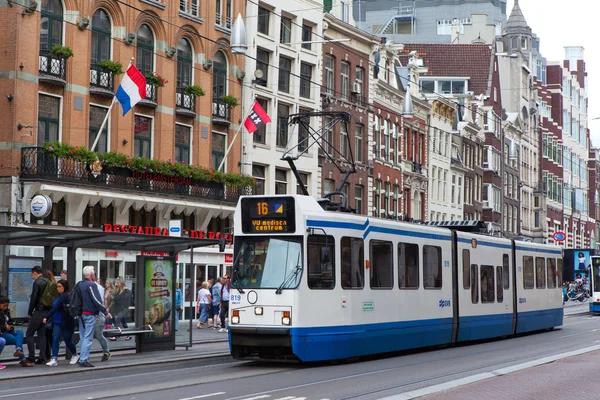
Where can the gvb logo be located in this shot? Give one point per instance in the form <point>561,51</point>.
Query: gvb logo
<point>444,303</point>
<point>522,300</point>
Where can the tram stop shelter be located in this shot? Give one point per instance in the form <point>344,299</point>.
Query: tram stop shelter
<point>73,238</point>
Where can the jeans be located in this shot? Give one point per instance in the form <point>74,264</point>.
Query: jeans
<point>36,325</point>
<point>98,329</point>
<point>2,344</point>
<point>122,318</point>
<point>14,337</point>
<point>177,316</point>
<point>204,312</point>
<point>59,331</point>
<point>87,323</point>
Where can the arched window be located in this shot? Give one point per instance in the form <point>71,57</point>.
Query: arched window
<point>51,31</point>
<point>145,50</point>
<point>184,63</point>
<point>100,37</point>
<point>219,76</point>
<point>416,206</point>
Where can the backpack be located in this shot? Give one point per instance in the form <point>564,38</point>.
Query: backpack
<point>49,294</point>
<point>74,306</point>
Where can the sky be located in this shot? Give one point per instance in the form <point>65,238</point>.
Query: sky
<point>560,23</point>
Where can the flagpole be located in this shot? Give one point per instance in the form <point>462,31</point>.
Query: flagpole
<point>235,137</point>
<point>114,100</point>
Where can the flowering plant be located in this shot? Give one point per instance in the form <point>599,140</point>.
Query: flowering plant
<point>156,79</point>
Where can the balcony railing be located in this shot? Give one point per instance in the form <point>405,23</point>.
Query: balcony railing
<point>37,164</point>
<point>150,93</point>
<point>54,67</point>
<point>220,110</point>
<point>101,78</point>
<point>185,101</point>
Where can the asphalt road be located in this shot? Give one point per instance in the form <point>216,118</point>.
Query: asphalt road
<point>226,379</point>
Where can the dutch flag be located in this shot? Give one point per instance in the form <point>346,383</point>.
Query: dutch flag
<point>132,88</point>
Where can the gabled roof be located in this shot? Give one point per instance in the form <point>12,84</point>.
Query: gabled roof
<point>472,60</point>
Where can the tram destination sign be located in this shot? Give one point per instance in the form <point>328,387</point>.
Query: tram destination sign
<point>268,215</point>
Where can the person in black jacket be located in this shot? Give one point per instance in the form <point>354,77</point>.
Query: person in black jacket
<point>36,315</point>
<point>10,334</point>
<point>63,324</point>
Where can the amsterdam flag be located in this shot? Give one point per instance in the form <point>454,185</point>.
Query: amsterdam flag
<point>256,117</point>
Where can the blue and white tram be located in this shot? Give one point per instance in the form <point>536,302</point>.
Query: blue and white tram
<point>595,284</point>
<point>315,285</point>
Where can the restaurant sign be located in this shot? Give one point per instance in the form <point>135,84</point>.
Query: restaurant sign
<point>155,231</point>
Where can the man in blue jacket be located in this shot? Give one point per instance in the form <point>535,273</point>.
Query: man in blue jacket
<point>92,305</point>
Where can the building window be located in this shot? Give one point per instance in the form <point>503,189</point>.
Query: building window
<point>306,36</point>
<point>182,143</point>
<point>262,64</point>
<point>100,37</point>
<point>263,20</point>
<point>258,173</point>
<point>285,36</point>
<point>285,71</point>
<point>142,136</point>
<point>329,77</point>
<point>358,85</point>
<point>145,50</point>
<point>303,132</point>
<point>283,112</point>
<point>344,139</point>
<point>48,119</point>
<point>345,11</point>
<point>358,143</point>
<point>223,16</point>
<point>219,76</point>
<point>219,142</point>
<point>328,136</point>
<point>260,135</point>
<point>184,63</point>
<point>51,25</point>
<point>305,79</point>
<point>97,115</point>
<point>280,181</point>
<point>358,199</point>
<point>345,80</point>
<point>304,179</point>
<point>192,9</point>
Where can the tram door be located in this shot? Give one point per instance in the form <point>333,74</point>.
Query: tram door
<point>595,279</point>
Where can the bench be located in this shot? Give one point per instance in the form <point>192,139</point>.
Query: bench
<point>118,332</point>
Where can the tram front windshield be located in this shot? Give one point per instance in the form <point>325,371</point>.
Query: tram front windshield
<point>268,263</point>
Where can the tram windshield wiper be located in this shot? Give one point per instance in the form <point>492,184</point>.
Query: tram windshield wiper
<point>236,276</point>
<point>291,277</point>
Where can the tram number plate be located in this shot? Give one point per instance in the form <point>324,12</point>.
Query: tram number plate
<point>368,306</point>
<point>235,299</point>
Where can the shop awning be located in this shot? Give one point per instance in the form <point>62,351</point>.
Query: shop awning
<point>78,237</point>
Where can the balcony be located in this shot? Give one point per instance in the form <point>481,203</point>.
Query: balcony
<point>221,112</point>
<point>185,103</point>
<point>150,99</point>
<point>53,70</point>
<point>36,164</point>
<point>101,81</point>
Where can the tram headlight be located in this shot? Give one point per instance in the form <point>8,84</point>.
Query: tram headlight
<point>258,310</point>
<point>235,317</point>
<point>286,319</point>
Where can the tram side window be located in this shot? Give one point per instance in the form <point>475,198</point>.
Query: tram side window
<point>527,272</point>
<point>487,284</point>
<point>382,265</point>
<point>499,288</point>
<point>559,267</point>
<point>474,283</point>
<point>353,263</point>
<point>432,267</point>
<point>540,272</point>
<point>505,271</point>
<point>321,262</point>
<point>408,266</point>
<point>466,269</point>
<point>551,267</point>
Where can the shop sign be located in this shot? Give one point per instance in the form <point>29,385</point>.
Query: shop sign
<point>155,231</point>
<point>228,258</point>
<point>41,206</point>
<point>111,253</point>
<point>155,253</point>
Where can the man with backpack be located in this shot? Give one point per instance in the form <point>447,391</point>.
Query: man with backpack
<point>43,294</point>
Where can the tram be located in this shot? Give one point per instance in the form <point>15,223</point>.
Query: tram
<point>314,285</point>
<point>595,285</point>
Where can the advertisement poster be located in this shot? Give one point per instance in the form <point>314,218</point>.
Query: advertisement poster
<point>581,267</point>
<point>20,283</point>
<point>158,296</point>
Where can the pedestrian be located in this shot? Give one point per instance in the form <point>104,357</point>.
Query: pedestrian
<point>63,274</point>
<point>225,290</point>
<point>63,324</point>
<point>91,306</point>
<point>50,278</point>
<point>99,327</point>
<point>109,297</point>
<point>178,305</point>
<point>216,301</point>
<point>36,313</point>
<point>205,303</point>
<point>10,335</point>
<point>122,301</point>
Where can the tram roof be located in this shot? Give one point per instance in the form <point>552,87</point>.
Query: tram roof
<point>78,237</point>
